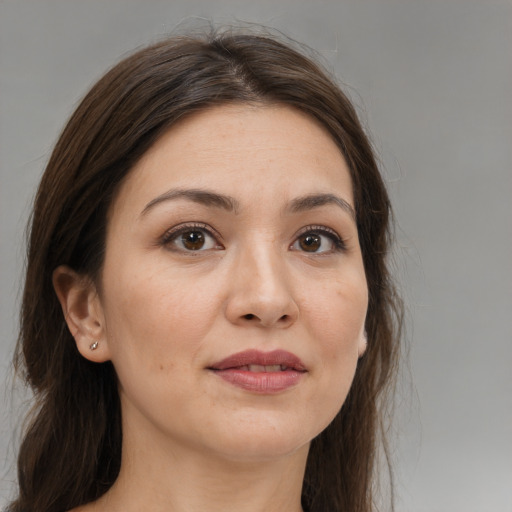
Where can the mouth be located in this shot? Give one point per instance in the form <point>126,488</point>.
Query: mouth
<point>257,361</point>
<point>262,368</point>
<point>261,372</point>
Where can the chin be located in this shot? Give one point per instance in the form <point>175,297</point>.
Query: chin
<point>263,449</point>
<point>263,440</point>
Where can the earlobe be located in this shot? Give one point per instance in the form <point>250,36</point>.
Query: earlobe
<point>83,313</point>
<point>363,343</point>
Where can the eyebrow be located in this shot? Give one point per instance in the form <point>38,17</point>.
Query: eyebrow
<point>230,204</point>
<point>311,201</point>
<point>204,197</point>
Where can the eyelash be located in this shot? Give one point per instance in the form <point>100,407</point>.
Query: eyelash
<point>339,244</point>
<point>174,233</point>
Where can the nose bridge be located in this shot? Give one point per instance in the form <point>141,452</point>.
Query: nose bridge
<point>266,267</point>
<point>261,290</point>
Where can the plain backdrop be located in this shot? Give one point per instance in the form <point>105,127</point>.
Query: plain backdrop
<point>432,81</point>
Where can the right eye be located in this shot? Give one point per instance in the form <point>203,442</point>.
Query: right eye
<point>190,238</point>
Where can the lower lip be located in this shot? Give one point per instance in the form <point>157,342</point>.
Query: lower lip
<point>261,382</point>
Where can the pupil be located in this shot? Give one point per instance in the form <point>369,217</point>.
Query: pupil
<point>193,240</point>
<point>310,243</point>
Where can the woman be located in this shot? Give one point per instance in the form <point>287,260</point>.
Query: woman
<point>208,321</point>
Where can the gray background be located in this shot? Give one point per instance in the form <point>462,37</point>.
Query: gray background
<point>433,81</point>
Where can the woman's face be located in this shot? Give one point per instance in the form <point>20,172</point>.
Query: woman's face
<point>233,291</point>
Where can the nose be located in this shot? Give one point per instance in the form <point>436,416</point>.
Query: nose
<point>260,292</point>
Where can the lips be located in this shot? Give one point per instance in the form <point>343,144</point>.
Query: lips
<point>261,372</point>
<point>257,359</point>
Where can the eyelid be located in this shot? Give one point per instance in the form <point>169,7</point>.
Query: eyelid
<point>173,233</point>
<point>338,241</point>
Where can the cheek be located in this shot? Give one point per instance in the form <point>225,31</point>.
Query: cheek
<point>337,314</point>
<point>153,333</point>
<point>156,316</point>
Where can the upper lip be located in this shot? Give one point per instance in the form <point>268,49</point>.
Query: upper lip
<point>248,357</point>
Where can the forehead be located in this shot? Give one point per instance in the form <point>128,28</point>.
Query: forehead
<point>275,152</point>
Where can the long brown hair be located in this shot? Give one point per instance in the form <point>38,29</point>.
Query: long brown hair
<point>71,451</point>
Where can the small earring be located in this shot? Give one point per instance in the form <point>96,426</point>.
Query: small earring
<point>94,346</point>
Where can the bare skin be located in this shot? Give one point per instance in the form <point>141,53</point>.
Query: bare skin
<point>191,279</point>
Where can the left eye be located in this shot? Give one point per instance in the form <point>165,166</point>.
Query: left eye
<point>318,241</point>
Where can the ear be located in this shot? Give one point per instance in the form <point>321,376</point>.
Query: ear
<point>83,313</point>
<point>363,343</point>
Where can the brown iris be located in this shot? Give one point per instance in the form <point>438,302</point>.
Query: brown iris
<point>193,240</point>
<point>310,242</point>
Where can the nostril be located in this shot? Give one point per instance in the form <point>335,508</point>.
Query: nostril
<point>282,320</point>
